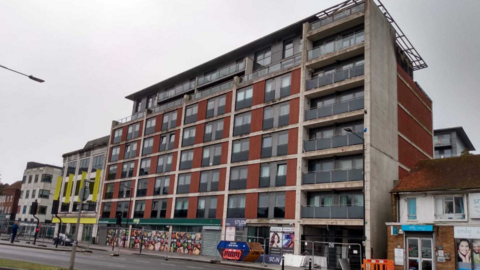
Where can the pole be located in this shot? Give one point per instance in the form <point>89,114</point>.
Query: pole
<point>36,227</point>
<point>128,213</point>
<point>59,228</point>
<point>75,240</point>
<point>141,241</point>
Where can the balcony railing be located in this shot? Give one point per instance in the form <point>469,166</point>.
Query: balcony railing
<point>332,142</point>
<point>284,64</point>
<point>223,72</point>
<point>168,106</point>
<point>334,46</point>
<point>333,109</point>
<point>335,77</point>
<point>333,212</point>
<point>177,90</point>
<point>442,142</point>
<point>333,176</point>
<point>212,90</point>
<point>130,118</point>
<point>338,16</point>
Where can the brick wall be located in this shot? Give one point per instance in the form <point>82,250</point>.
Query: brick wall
<point>251,205</point>
<point>408,155</point>
<point>258,93</point>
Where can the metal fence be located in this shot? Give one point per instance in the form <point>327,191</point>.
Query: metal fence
<point>26,231</point>
<point>331,255</point>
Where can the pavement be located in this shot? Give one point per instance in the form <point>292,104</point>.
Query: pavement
<point>99,257</point>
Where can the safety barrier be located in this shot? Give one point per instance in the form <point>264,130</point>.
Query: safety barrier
<point>374,264</point>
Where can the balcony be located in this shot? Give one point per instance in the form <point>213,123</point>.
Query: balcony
<point>335,108</point>
<point>337,45</point>
<point>333,176</point>
<point>333,212</point>
<point>212,90</point>
<point>284,64</point>
<point>130,118</point>
<point>175,91</point>
<point>337,76</point>
<point>168,106</point>
<point>222,73</point>
<point>333,142</point>
<point>343,14</point>
<point>442,142</point>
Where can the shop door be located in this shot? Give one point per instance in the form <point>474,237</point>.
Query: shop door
<point>420,255</point>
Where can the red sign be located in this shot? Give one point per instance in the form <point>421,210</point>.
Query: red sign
<point>232,254</point>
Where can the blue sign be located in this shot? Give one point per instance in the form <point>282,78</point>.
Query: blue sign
<point>417,228</point>
<point>270,259</point>
<point>236,222</point>
<point>236,251</point>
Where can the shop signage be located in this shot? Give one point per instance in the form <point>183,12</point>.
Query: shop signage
<point>235,251</point>
<point>236,222</point>
<point>417,228</point>
<point>232,254</point>
<point>270,259</point>
<point>466,232</point>
<point>282,240</point>
<point>474,203</point>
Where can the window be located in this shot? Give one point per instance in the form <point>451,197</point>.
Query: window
<point>21,195</point>
<point>24,211</point>
<point>130,150</point>
<point>83,165</point>
<point>109,191</point>
<point>188,136</point>
<point>47,178</point>
<point>262,211</point>
<point>117,137</point>
<point>139,209</point>
<point>262,59</point>
<point>215,106</point>
<point>186,160</point>
<point>276,116</point>
<point>145,167</point>
<point>242,124</point>
<point>273,174</point>
<point>142,187</point>
<point>27,194</point>
<point>169,120</point>
<point>207,207</point>
<point>279,210</point>
<point>183,183</point>
<point>24,179</point>
<point>147,146</point>
<point>238,178</point>
<point>162,185</point>
<point>138,106</point>
<point>240,150</point>
<point>191,114</point>
<point>159,209</point>
<point>97,163</point>
<point>150,126</point>
<point>285,86</point>
<point>150,101</point>
<point>106,210</point>
<point>133,131</point>
<point>449,207</point>
<point>36,178</point>
<point>72,166</point>
<point>127,170</point>
<point>412,208</point>
<point>125,189</point>
<point>213,131</point>
<point>33,193</point>
<point>112,172</point>
<point>275,144</point>
<point>443,139</point>
<point>211,155</point>
<point>287,48</point>
<point>164,163</point>
<point>443,153</point>
<point>181,208</point>
<point>115,153</point>
<point>30,178</point>
<point>244,98</point>
<point>209,180</point>
<point>167,142</point>
<point>236,206</point>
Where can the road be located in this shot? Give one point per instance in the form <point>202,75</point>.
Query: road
<point>102,260</point>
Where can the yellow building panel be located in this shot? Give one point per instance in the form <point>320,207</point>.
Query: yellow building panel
<point>96,187</point>
<point>58,188</point>
<point>69,188</point>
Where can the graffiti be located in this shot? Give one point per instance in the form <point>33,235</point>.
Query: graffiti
<point>113,239</point>
<point>186,243</point>
<point>152,240</point>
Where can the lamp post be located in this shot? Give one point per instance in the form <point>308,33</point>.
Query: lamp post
<point>31,77</point>
<point>349,130</point>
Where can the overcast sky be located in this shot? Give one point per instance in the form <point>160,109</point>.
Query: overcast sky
<point>94,53</point>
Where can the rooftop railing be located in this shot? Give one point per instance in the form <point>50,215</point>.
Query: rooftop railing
<point>335,77</point>
<point>168,106</point>
<point>223,72</point>
<point>336,45</point>
<point>284,64</point>
<point>212,90</point>
<point>335,108</point>
<point>340,15</point>
<point>175,91</point>
<point>442,141</point>
<point>130,118</point>
<point>333,212</point>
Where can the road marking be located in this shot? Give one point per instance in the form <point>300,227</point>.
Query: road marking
<point>143,261</point>
<point>195,267</point>
<point>169,264</point>
<point>121,259</point>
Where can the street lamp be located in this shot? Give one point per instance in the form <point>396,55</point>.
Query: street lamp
<point>31,77</point>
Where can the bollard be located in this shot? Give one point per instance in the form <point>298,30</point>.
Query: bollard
<point>310,264</point>
<point>283,262</point>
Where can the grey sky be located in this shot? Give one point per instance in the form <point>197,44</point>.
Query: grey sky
<point>94,53</point>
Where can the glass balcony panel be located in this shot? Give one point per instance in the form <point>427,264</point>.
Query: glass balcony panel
<point>323,177</point>
<point>312,84</point>
<point>322,212</point>
<point>339,141</point>
<point>355,212</point>
<point>339,176</point>
<point>340,212</point>
<point>308,178</point>
<point>325,80</point>
<point>355,175</point>
<point>308,212</point>
<point>354,140</point>
<point>341,75</point>
<point>311,114</point>
<point>340,108</point>
<point>325,111</point>
<point>309,146</point>
<point>324,143</point>
<point>356,104</point>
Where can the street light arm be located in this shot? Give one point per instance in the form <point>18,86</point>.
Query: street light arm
<point>31,77</point>
<point>349,130</point>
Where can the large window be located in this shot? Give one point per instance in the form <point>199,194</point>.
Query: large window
<point>273,174</point>
<point>238,178</point>
<point>184,183</point>
<point>150,126</point>
<point>139,209</point>
<point>181,208</point>
<point>276,116</point>
<point>188,136</point>
<point>244,98</point>
<point>209,180</point>
<point>213,131</point>
<point>164,163</point>
<point>107,207</point>
<point>142,187</point>
<point>97,163</point>
<point>169,120</point>
<point>84,165</point>
<point>240,150</point>
<point>130,150</point>
<point>167,142</point>
<point>162,185</point>
<point>186,160</point>
<point>207,207</point>
<point>236,206</point>
<point>117,137</point>
<point>133,131</point>
<point>122,209</point>
<point>215,106</point>
<point>115,153</point>
<point>125,189</point>
<point>191,114</point>
<point>147,146</point>
<point>275,144</point>
<point>262,59</point>
<point>109,191</point>
<point>145,167</point>
<point>43,193</point>
<point>112,172</point>
<point>71,167</point>
<point>159,209</point>
<point>287,48</point>
<point>412,208</point>
<point>127,170</point>
<point>242,124</point>
<point>211,155</point>
<point>450,207</point>
<point>47,178</point>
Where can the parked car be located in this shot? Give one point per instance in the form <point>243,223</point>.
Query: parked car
<point>65,240</point>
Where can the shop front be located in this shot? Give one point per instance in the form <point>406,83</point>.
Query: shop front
<point>467,243</point>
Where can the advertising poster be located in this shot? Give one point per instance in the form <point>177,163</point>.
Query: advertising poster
<point>186,243</point>
<point>276,237</point>
<point>464,254</point>
<point>153,240</point>
<point>476,254</point>
<point>288,240</point>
